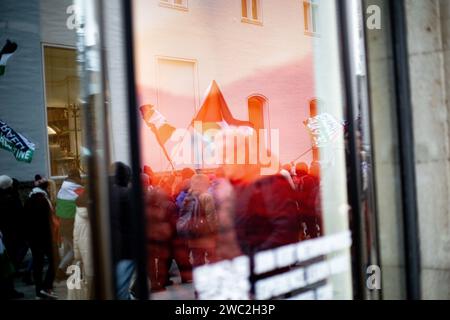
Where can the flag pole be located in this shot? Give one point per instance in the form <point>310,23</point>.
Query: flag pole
<point>304,153</point>
<point>162,146</point>
<point>178,145</point>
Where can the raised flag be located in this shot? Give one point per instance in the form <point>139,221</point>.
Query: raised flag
<point>16,143</point>
<point>7,51</point>
<point>323,129</point>
<point>65,199</point>
<point>157,123</point>
<point>215,114</point>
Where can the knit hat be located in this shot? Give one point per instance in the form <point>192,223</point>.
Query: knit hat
<point>5,182</point>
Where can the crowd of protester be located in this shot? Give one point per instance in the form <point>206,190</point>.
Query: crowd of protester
<point>42,227</point>
<point>194,217</point>
<point>202,216</point>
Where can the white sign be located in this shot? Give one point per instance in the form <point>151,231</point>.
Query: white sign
<point>284,256</point>
<point>226,280</point>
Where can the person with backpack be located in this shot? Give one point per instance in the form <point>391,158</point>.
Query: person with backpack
<point>198,221</point>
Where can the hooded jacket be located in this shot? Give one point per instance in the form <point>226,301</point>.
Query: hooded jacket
<point>123,228</point>
<point>38,211</point>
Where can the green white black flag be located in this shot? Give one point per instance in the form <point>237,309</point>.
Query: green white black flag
<point>7,51</point>
<point>16,143</point>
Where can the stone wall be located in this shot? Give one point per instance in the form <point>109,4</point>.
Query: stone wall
<point>428,45</point>
<point>386,156</point>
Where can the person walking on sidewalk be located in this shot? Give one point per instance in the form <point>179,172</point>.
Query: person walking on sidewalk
<point>66,210</point>
<point>82,246</point>
<point>39,226</point>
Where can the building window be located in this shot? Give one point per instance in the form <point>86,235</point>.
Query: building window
<point>251,11</point>
<point>176,4</point>
<point>62,96</point>
<point>258,115</point>
<point>311,16</point>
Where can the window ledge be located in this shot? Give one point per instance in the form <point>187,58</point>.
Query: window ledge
<point>312,34</point>
<point>251,21</point>
<point>173,6</point>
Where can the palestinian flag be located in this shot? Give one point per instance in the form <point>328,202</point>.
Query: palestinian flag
<point>65,199</point>
<point>157,123</point>
<point>16,143</point>
<point>323,129</point>
<point>215,114</point>
<point>7,51</point>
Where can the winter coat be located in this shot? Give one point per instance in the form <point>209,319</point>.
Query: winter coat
<point>160,229</point>
<point>308,193</point>
<point>6,267</point>
<point>227,246</point>
<point>266,214</point>
<point>39,218</point>
<point>124,235</point>
<point>207,207</point>
<point>11,220</point>
<point>161,213</point>
<point>82,240</point>
<point>123,229</point>
<point>180,198</point>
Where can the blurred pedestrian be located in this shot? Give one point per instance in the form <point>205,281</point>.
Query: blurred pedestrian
<point>39,225</point>
<point>11,220</point>
<point>82,246</point>
<point>66,210</point>
<point>159,210</point>
<point>7,290</point>
<point>123,230</point>
<point>198,220</point>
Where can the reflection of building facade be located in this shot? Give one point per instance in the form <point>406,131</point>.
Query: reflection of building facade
<point>261,54</point>
<point>185,45</point>
<point>40,91</point>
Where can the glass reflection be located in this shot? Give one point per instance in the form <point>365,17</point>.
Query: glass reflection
<point>234,147</point>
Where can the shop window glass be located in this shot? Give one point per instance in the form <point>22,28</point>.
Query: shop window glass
<point>64,126</point>
<point>228,216</point>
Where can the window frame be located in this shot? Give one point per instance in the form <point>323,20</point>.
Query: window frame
<point>265,113</point>
<point>310,20</point>
<point>171,4</point>
<point>249,11</point>
<point>47,140</point>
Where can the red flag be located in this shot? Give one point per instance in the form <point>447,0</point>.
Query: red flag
<point>215,113</point>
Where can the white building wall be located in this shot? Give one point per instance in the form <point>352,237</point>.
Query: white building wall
<point>273,59</point>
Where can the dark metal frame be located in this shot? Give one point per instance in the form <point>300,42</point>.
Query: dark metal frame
<point>137,195</point>
<point>373,220</point>
<point>96,137</point>
<point>406,144</point>
<point>352,158</point>
<point>360,255</point>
